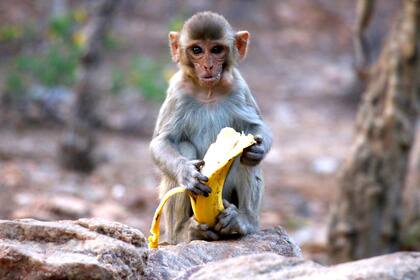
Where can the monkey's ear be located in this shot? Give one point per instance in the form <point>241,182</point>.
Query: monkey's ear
<point>174,45</point>
<point>241,42</point>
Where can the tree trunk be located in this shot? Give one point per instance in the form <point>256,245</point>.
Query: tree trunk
<point>364,11</point>
<point>367,213</point>
<point>77,149</point>
<point>411,227</point>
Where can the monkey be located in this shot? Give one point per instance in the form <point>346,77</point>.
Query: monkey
<point>207,94</point>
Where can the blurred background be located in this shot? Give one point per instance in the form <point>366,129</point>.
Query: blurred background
<point>300,67</point>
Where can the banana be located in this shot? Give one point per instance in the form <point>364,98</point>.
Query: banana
<point>155,230</point>
<point>217,162</point>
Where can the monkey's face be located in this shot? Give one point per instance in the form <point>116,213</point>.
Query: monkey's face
<point>206,47</point>
<point>208,58</point>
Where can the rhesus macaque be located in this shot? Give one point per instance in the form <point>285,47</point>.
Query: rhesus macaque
<point>207,94</point>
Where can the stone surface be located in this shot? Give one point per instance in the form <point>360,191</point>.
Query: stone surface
<point>50,207</point>
<point>169,261</point>
<point>403,265</point>
<point>82,249</point>
<point>98,249</point>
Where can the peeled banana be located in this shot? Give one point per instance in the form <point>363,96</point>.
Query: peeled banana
<point>217,162</point>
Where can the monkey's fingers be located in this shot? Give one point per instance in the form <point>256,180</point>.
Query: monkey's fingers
<point>210,235</point>
<point>198,163</point>
<point>200,189</point>
<point>225,218</point>
<point>230,230</point>
<point>203,227</point>
<point>229,211</point>
<point>203,231</point>
<point>198,226</point>
<point>258,139</point>
<point>227,225</point>
<point>194,191</point>
<point>226,203</point>
<point>204,188</point>
<point>205,235</point>
<point>222,223</point>
<point>201,177</point>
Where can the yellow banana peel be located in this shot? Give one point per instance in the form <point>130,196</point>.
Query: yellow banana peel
<point>155,230</point>
<point>217,162</point>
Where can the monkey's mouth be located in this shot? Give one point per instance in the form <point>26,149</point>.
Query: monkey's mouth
<point>210,79</point>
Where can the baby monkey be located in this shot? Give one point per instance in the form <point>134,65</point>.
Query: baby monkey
<point>207,94</point>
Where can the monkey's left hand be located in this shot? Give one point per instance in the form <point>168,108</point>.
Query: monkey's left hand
<point>230,222</point>
<point>254,154</point>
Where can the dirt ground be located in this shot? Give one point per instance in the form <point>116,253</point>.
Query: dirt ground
<point>299,67</point>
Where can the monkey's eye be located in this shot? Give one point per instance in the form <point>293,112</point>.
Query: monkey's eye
<point>196,50</point>
<point>216,49</point>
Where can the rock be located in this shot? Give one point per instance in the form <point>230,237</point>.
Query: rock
<point>50,207</point>
<point>82,249</point>
<point>97,249</point>
<point>169,261</point>
<point>110,210</point>
<point>256,266</point>
<point>403,265</point>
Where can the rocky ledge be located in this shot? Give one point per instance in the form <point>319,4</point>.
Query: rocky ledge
<point>402,265</point>
<point>97,249</point>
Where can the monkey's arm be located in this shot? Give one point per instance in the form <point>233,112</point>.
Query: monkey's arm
<point>179,168</point>
<point>164,152</point>
<point>254,154</point>
<point>167,155</point>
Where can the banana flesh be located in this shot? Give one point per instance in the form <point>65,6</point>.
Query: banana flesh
<point>217,162</point>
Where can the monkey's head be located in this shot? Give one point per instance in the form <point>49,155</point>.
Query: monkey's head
<point>207,46</point>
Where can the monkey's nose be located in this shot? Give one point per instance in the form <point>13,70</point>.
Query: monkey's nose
<point>208,68</point>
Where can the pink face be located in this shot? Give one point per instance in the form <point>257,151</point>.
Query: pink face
<point>208,59</point>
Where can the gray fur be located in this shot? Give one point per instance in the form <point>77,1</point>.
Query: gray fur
<point>207,26</point>
<point>184,130</point>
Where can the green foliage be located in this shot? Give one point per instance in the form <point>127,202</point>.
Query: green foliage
<point>14,85</point>
<point>118,80</point>
<point>61,27</point>
<point>410,237</point>
<point>294,223</point>
<point>110,41</point>
<point>55,64</point>
<point>175,24</point>
<point>147,76</point>
<point>54,67</point>
<point>9,33</point>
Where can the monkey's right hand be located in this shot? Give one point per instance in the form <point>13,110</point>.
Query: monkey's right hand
<point>191,178</point>
<point>199,231</point>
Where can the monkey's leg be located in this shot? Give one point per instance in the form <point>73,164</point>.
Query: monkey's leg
<point>242,201</point>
